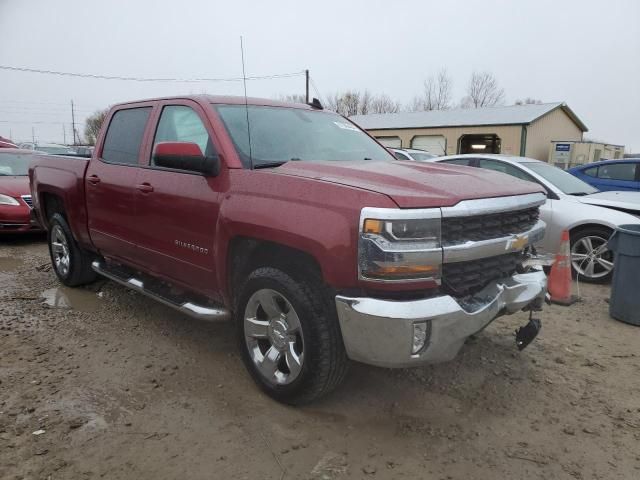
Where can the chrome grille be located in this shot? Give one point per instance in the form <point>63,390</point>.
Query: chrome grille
<point>457,230</point>
<point>27,200</point>
<point>464,278</point>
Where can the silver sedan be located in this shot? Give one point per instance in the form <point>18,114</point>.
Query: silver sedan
<point>589,215</point>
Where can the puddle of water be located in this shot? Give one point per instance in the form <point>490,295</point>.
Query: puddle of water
<point>8,264</point>
<point>77,299</point>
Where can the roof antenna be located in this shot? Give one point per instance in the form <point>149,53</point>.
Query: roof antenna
<point>316,104</point>
<point>246,106</point>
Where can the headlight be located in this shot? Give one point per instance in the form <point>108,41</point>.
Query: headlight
<point>400,245</point>
<point>7,200</point>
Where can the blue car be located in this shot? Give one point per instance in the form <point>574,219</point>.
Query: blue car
<point>610,174</point>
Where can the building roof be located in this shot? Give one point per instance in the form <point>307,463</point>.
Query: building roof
<point>464,117</point>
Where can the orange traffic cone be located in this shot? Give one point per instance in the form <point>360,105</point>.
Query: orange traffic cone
<point>559,281</point>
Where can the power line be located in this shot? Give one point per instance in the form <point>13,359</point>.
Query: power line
<point>37,122</point>
<point>144,79</point>
<point>315,88</point>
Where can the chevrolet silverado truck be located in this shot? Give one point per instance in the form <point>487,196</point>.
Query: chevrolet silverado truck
<point>300,227</point>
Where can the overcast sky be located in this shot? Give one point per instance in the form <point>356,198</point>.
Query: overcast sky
<point>586,53</point>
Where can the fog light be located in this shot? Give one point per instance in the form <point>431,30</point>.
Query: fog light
<point>421,333</point>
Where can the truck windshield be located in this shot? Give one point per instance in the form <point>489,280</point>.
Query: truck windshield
<point>14,164</point>
<point>281,134</point>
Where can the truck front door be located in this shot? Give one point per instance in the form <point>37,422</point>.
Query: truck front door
<point>177,211</point>
<point>110,183</point>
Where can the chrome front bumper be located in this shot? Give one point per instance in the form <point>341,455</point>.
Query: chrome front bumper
<point>380,332</point>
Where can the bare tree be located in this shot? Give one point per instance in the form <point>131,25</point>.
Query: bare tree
<point>292,98</point>
<point>353,102</point>
<point>528,101</point>
<point>436,94</point>
<point>364,105</point>
<point>347,103</point>
<point>93,125</point>
<point>483,91</point>
<point>383,103</point>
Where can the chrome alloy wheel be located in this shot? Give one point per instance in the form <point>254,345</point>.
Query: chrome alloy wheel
<point>273,335</point>
<point>591,258</point>
<point>60,250</point>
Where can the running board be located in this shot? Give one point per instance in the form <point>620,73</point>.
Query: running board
<point>189,308</point>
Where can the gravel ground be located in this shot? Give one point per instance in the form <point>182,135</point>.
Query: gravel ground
<point>100,382</point>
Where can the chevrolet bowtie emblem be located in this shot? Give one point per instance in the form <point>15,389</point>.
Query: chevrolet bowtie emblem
<point>518,242</point>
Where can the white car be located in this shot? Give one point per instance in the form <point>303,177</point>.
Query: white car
<point>589,215</point>
<point>412,154</point>
<point>51,148</point>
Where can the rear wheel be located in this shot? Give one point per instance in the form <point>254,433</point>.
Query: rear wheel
<point>71,263</point>
<point>591,259</point>
<point>289,337</point>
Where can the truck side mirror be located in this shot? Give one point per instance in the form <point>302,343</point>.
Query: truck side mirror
<point>185,156</point>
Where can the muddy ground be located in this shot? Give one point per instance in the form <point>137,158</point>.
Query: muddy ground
<point>101,382</point>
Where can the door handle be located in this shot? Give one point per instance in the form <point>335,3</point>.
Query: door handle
<point>145,187</point>
<point>93,179</point>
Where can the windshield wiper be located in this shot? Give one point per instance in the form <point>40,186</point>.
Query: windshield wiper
<point>579,194</point>
<point>269,164</point>
<point>275,164</point>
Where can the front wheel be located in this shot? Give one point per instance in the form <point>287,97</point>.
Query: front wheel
<point>289,337</point>
<point>591,259</point>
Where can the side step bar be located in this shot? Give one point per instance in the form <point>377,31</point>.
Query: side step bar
<point>189,308</point>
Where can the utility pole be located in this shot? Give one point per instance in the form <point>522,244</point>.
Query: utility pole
<point>306,77</point>
<point>33,136</point>
<point>64,135</point>
<point>10,135</point>
<point>73,123</point>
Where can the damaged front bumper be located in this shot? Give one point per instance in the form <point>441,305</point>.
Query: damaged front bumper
<point>383,332</point>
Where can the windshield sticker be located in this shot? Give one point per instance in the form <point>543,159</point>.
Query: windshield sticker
<point>346,126</point>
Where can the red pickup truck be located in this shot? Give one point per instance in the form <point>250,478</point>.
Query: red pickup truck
<point>298,225</point>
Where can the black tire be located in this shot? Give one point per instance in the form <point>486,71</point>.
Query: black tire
<point>602,233</point>
<point>79,271</point>
<point>325,361</point>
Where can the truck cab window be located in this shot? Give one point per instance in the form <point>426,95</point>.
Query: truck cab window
<point>179,123</point>
<point>124,136</point>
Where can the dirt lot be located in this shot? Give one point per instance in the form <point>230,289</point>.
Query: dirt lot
<point>125,388</point>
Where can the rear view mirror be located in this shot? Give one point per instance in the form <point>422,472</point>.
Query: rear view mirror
<point>185,156</point>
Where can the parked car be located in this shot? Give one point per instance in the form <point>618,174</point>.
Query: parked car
<point>589,215</point>
<point>51,148</point>
<point>412,154</point>
<point>6,143</point>
<point>610,174</point>
<point>83,150</point>
<point>15,196</point>
<point>299,225</point>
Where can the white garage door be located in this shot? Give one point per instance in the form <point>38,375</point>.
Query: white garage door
<point>390,142</point>
<point>435,144</point>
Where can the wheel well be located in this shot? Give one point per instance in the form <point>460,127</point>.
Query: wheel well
<point>588,226</point>
<point>51,205</point>
<point>247,254</point>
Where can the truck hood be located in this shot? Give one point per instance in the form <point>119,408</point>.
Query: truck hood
<point>14,186</point>
<point>413,184</point>
<point>625,201</point>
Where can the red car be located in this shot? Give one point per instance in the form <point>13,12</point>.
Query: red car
<point>15,196</point>
<point>6,143</point>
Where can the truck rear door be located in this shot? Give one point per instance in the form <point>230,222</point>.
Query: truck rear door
<point>176,210</point>
<point>110,183</point>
